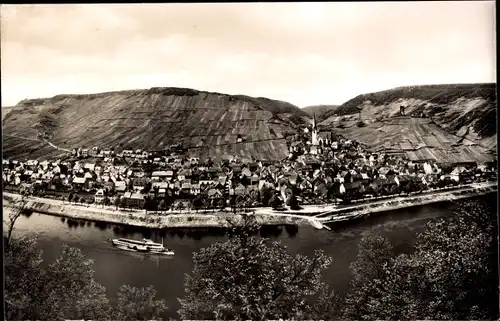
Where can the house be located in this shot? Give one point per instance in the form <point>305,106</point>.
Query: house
<point>388,186</point>
<point>120,186</point>
<point>195,189</point>
<point>138,183</point>
<point>99,196</point>
<point>186,187</point>
<point>457,172</point>
<point>45,165</point>
<point>89,175</point>
<point>353,187</point>
<point>161,175</point>
<point>77,167</point>
<point>246,172</point>
<point>240,190</point>
<point>184,174</point>
<point>161,193</point>
<point>159,185</point>
<point>32,163</point>
<point>135,200</point>
<point>80,183</point>
<point>109,186</point>
<point>214,193</point>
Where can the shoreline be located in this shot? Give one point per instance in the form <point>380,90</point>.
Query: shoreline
<point>318,215</point>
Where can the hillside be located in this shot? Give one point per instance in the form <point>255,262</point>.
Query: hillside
<point>442,122</point>
<point>320,111</point>
<point>152,119</point>
<point>6,110</point>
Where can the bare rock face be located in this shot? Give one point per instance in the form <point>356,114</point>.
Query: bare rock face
<point>209,124</point>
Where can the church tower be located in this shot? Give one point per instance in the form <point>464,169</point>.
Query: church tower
<point>314,132</point>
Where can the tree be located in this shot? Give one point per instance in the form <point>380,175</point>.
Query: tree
<point>161,206</point>
<point>146,187</point>
<point>16,209</point>
<point>373,252</point>
<point>197,202</point>
<point>221,203</point>
<point>130,185</point>
<point>70,197</point>
<point>180,206</point>
<point>265,195</point>
<point>240,202</point>
<point>449,274</point>
<point>65,289</point>
<point>118,202</point>
<point>293,203</point>
<point>123,202</point>
<point>22,266</point>
<point>138,304</point>
<point>249,277</point>
<point>106,201</point>
<point>70,291</point>
<point>276,202</point>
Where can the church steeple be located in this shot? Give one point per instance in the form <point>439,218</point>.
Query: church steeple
<point>314,132</point>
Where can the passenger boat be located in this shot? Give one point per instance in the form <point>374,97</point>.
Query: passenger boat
<point>146,245</point>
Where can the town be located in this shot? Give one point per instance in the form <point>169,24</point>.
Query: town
<point>322,168</point>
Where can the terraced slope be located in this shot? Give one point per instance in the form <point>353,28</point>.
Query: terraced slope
<point>320,111</point>
<point>207,123</point>
<point>441,122</point>
<point>6,110</point>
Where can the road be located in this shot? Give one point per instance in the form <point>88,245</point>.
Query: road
<point>40,141</point>
<point>111,210</point>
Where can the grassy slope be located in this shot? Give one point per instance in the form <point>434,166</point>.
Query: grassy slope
<point>320,111</point>
<point>154,119</point>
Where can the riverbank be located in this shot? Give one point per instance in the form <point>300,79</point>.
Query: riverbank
<point>356,211</point>
<point>309,215</point>
<point>148,220</point>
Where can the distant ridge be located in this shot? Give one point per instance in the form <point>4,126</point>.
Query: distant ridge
<point>320,111</point>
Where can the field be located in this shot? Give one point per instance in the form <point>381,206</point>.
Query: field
<point>206,123</point>
<point>418,139</point>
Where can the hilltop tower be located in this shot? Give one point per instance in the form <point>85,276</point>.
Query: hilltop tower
<point>314,132</point>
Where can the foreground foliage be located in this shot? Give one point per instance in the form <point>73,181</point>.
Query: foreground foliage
<point>249,277</point>
<point>450,275</point>
<point>66,289</point>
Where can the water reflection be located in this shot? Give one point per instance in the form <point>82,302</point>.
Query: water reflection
<point>292,230</point>
<point>101,225</point>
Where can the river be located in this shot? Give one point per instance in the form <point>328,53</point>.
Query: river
<point>114,267</point>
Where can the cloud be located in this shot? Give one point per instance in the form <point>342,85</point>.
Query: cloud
<point>305,53</point>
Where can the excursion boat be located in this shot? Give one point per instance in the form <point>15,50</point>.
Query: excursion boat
<point>146,245</point>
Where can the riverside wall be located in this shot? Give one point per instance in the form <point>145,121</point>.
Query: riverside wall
<point>310,215</point>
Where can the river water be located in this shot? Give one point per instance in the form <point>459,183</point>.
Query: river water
<point>114,267</point>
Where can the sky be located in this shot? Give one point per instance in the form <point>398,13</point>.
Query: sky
<point>303,53</point>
